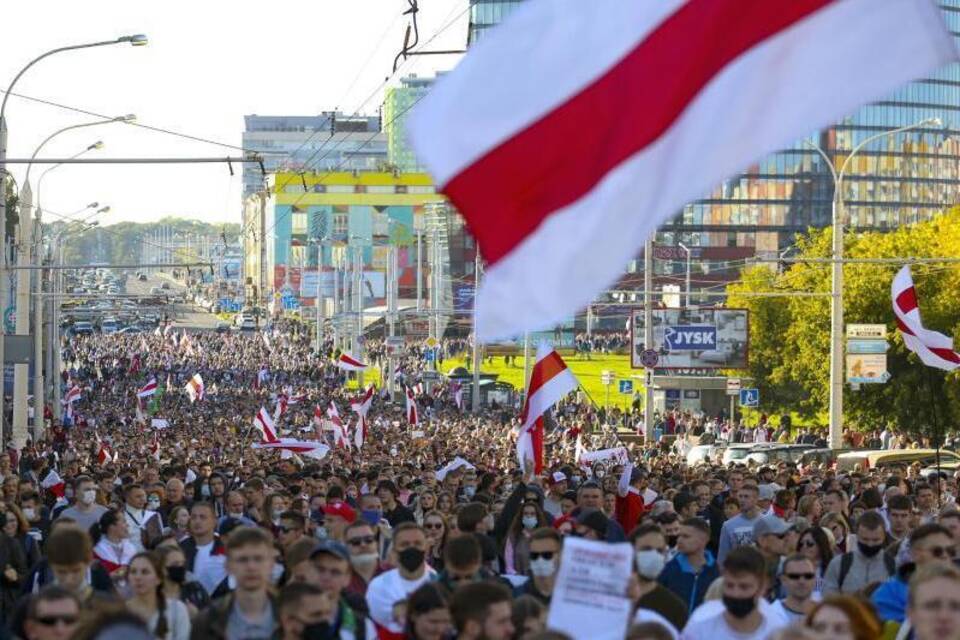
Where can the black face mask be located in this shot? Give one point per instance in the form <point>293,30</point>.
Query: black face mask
<point>318,631</point>
<point>177,574</point>
<point>672,541</point>
<point>411,558</point>
<point>869,550</point>
<point>739,607</point>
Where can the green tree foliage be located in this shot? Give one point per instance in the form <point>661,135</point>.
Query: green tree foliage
<point>123,243</point>
<point>13,205</point>
<point>790,336</point>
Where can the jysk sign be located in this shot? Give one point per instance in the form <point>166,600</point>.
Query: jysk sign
<point>690,338</point>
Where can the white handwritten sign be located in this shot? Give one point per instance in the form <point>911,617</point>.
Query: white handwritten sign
<point>617,455</point>
<point>590,596</point>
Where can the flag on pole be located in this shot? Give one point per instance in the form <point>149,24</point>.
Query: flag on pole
<point>933,348</point>
<point>73,394</point>
<point>339,430</point>
<point>148,389</point>
<point>550,381</point>
<point>155,447</point>
<point>53,483</point>
<point>679,96</point>
<point>264,424</point>
<point>194,388</point>
<point>349,363</point>
<point>361,407</point>
<point>456,389</point>
<point>317,419</point>
<point>413,415</point>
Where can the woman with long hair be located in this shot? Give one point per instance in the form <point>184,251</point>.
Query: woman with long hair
<point>426,503</point>
<point>112,546</point>
<point>839,528</point>
<point>166,618</point>
<point>815,544</point>
<point>428,614</point>
<point>516,545</point>
<point>179,523</point>
<point>435,526</point>
<point>17,527</point>
<point>178,583</point>
<point>445,503</point>
<point>843,617</point>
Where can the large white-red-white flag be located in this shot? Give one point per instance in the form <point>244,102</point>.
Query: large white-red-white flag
<point>195,388</point>
<point>361,407</point>
<point>413,414</point>
<point>568,134</point>
<point>349,363</point>
<point>550,381</point>
<point>264,424</point>
<point>148,389</point>
<point>288,447</point>
<point>933,348</point>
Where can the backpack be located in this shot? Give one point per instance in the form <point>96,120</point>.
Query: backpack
<point>846,562</point>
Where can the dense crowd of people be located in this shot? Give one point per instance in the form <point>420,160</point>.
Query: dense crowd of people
<point>155,517</point>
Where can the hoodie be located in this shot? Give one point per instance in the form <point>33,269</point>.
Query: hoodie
<point>680,577</point>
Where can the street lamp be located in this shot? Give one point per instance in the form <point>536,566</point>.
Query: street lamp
<point>836,296</point>
<point>93,147</point>
<point>136,40</point>
<point>687,296</point>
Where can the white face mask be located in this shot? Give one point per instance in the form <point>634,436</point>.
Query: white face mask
<point>529,522</point>
<point>543,567</point>
<point>363,559</point>
<point>89,496</point>
<point>649,563</point>
<point>29,513</point>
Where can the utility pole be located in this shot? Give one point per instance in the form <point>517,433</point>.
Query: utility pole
<point>38,301</point>
<point>476,340</point>
<point>648,337</point>
<point>21,371</point>
<point>358,344</point>
<point>391,311</point>
<point>320,305</point>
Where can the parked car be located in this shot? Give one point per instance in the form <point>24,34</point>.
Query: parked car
<point>109,325</point>
<point>874,459</point>
<point>774,453</point>
<point>701,452</point>
<point>736,452</point>
<point>222,327</point>
<point>248,324</point>
<point>82,328</point>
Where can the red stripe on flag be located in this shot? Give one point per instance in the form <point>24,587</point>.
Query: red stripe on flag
<point>559,158</point>
<point>903,327</point>
<point>545,370</point>
<point>946,354</point>
<point>907,300</point>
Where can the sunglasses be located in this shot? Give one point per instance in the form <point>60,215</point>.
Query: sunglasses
<point>800,576</point>
<point>359,540</point>
<point>433,525</point>
<point>808,544</point>
<point>546,555</point>
<point>49,621</point>
<point>943,552</point>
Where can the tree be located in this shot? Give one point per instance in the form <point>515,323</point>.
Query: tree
<point>13,205</point>
<point>790,336</point>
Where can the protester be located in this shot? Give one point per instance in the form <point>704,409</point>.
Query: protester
<point>865,564</point>
<point>692,570</point>
<point>798,581</point>
<point>843,617</point>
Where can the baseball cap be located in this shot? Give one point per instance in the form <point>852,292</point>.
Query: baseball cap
<point>769,525</point>
<point>558,477</point>
<point>341,509</point>
<point>332,547</point>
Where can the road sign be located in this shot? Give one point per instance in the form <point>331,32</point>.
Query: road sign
<point>10,319</point>
<point>626,387</point>
<point>606,377</point>
<point>733,386</point>
<point>869,368</point>
<point>867,346</point>
<point>649,358</point>
<point>431,342</point>
<point>868,331</point>
<point>429,355</point>
<point>749,397</point>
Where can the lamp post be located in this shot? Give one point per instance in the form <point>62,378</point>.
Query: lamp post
<point>686,296</point>
<point>34,228</point>
<point>134,40</point>
<point>836,295</point>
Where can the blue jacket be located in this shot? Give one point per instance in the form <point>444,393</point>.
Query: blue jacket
<point>680,578</point>
<point>890,600</point>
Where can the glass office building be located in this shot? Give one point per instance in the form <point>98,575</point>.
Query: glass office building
<point>487,13</point>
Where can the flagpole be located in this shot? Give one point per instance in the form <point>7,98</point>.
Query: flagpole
<point>476,340</point>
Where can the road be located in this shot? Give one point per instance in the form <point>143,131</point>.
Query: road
<point>188,316</point>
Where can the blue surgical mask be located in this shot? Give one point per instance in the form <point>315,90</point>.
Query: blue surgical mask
<point>371,516</point>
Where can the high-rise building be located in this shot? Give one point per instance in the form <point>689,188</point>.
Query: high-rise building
<point>331,141</point>
<point>397,102</point>
<point>899,179</point>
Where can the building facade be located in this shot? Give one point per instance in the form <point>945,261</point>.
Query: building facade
<point>331,141</point>
<point>485,14</point>
<point>304,229</point>
<point>398,101</point>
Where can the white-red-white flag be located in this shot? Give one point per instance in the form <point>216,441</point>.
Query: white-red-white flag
<point>194,388</point>
<point>53,483</point>
<point>264,424</point>
<point>550,381</point>
<point>340,438</point>
<point>413,414</point>
<point>933,348</point>
<point>604,120</point>
<point>148,389</point>
<point>73,394</point>
<point>361,407</point>
<point>155,448</point>
<point>349,363</point>
<point>456,389</point>
<point>288,447</point>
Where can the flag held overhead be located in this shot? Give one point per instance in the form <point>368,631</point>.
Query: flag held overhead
<point>349,363</point>
<point>603,122</point>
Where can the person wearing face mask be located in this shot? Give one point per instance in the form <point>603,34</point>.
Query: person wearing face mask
<point>361,542</point>
<point>650,558</point>
<point>408,553</point>
<point>516,548</point>
<point>350,619</point>
<point>393,511</point>
<point>693,568</point>
<point>306,613</point>
<point>742,617</point>
<point>545,547</point>
<point>85,511</point>
<point>178,583</point>
<point>865,564</point>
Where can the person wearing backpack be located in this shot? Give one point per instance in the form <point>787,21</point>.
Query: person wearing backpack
<point>865,564</point>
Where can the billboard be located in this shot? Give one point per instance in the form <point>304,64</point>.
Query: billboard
<point>694,338</point>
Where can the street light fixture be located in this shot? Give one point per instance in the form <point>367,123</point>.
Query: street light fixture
<point>836,302</point>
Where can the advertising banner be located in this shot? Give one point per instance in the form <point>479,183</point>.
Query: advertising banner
<point>694,338</point>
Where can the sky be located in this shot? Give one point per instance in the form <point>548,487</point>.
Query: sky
<point>208,63</point>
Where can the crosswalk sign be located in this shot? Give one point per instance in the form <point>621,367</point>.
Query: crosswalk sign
<point>749,397</point>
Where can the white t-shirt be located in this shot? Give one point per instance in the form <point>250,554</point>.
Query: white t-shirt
<point>386,590</point>
<point>648,615</point>
<point>707,621</point>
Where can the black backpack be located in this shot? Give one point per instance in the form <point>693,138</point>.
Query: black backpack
<point>846,562</point>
